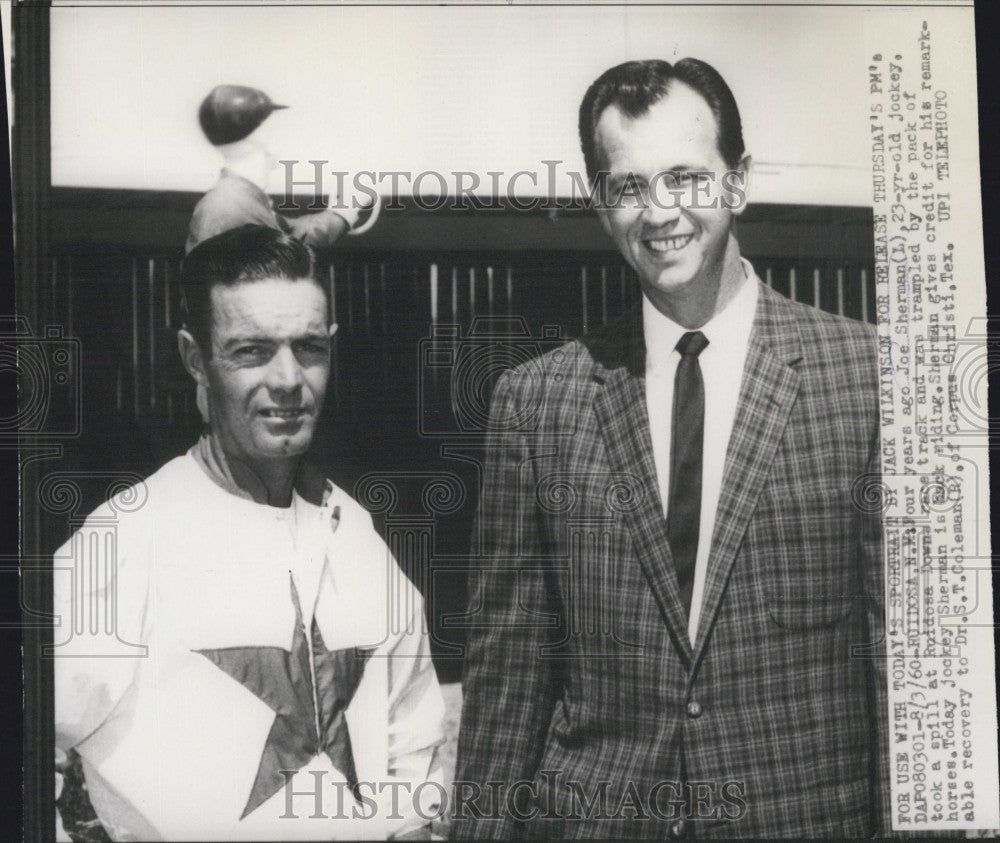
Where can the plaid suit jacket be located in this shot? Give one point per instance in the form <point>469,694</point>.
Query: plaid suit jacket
<point>580,680</point>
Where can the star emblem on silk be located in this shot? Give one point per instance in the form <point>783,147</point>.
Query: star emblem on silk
<point>284,680</point>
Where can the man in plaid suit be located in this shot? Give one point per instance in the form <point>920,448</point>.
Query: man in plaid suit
<point>678,604</point>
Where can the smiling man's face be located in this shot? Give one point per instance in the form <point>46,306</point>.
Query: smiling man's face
<point>673,223</point>
<point>269,367</point>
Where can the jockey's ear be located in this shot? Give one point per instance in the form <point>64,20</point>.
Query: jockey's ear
<point>191,357</point>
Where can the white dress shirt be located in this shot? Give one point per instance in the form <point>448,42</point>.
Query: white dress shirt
<point>722,364</point>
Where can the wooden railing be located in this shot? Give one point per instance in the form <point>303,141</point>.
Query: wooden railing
<point>125,309</point>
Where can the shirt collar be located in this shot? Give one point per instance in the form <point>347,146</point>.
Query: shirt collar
<point>728,329</point>
<point>239,479</point>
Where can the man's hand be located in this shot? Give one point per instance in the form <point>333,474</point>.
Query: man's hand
<point>352,202</point>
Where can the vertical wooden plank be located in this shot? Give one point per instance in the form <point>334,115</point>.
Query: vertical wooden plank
<point>334,362</point>
<point>510,290</point>
<point>472,292</point>
<point>70,293</point>
<point>150,284</point>
<point>489,289</point>
<point>454,295</point>
<point>434,293</point>
<point>792,292</point>
<point>166,293</point>
<point>769,275</point>
<point>383,304</point>
<point>53,310</point>
<point>583,298</point>
<point>135,337</point>
<point>368,296</point>
<point>817,302</point>
<point>350,298</point>
<point>332,285</point>
<point>840,291</point>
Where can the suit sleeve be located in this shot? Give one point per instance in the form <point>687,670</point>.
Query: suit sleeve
<point>509,685</point>
<point>319,230</point>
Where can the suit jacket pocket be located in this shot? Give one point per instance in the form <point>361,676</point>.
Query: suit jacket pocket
<point>810,613</point>
<point>807,557</point>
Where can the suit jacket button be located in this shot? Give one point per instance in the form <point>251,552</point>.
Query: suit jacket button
<point>677,829</point>
<point>694,709</point>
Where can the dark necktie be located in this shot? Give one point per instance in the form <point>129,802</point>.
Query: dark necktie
<point>687,433</point>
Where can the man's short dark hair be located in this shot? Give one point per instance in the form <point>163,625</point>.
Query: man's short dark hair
<point>636,85</point>
<point>238,256</point>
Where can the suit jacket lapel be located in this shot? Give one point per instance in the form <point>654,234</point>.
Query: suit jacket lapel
<point>620,406</point>
<point>767,394</point>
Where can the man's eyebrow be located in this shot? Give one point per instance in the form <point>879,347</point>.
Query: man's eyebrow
<point>616,176</point>
<point>688,168</point>
<point>251,339</point>
<point>239,339</point>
